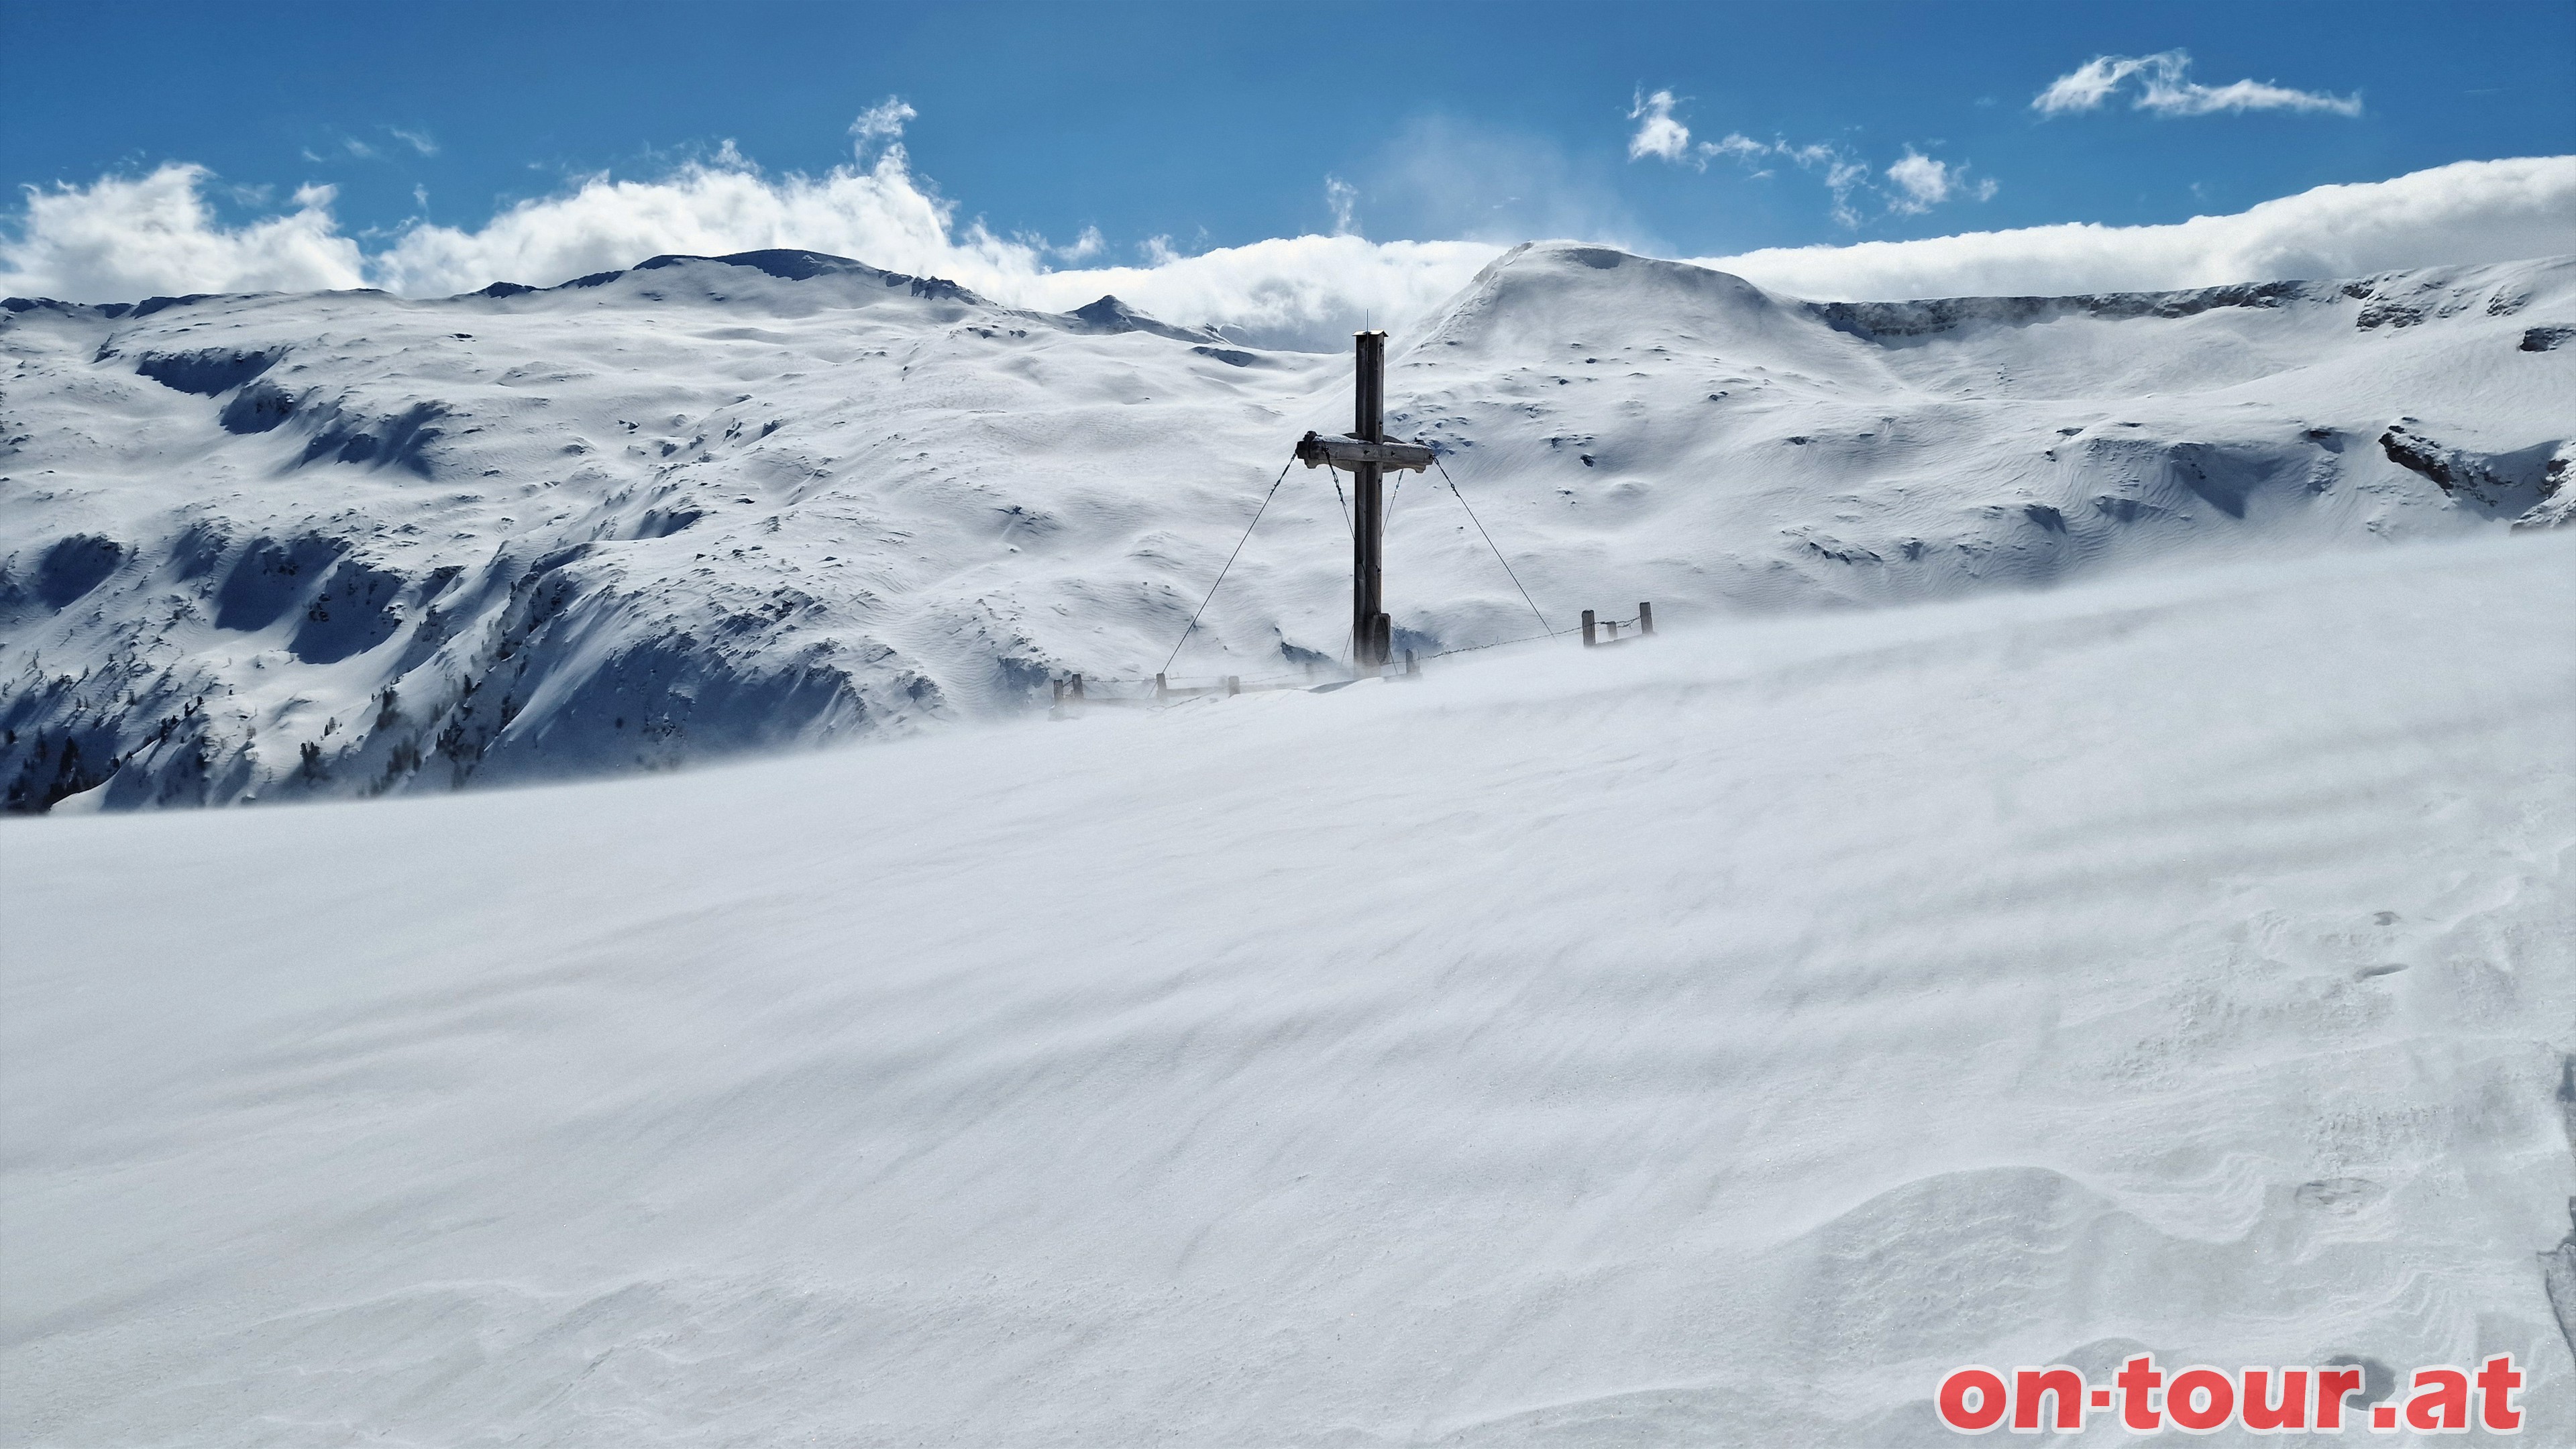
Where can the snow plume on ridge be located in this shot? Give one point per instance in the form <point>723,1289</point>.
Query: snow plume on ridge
<point>2467,212</point>
<point>1304,291</point>
<point>2166,88</point>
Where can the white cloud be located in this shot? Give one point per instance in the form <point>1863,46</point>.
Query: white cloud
<point>882,122</point>
<point>2165,87</point>
<point>419,141</point>
<point>1843,176</point>
<point>709,208</point>
<point>1923,183</point>
<point>122,238</point>
<point>2470,211</point>
<point>1658,134</point>
<point>1344,199</point>
<point>1917,183</point>
<point>2085,87</point>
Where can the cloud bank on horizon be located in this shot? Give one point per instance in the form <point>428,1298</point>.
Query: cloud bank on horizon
<point>121,238</point>
<point>2466,212</point>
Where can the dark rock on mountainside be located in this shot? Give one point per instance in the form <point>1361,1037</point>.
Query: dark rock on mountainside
<point>352,613</point>
<point>1942,314</point>
<point>208,373</point>
<point>2514,482</point>
<point>75,566</point>
<point>270,577</point>
<point>258,408</point>
<point>400,441</point>
<point>2394,300</point>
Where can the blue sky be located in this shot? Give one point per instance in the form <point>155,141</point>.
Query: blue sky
<point>1219,124</point>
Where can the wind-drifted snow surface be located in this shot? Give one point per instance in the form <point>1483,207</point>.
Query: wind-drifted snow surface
<point>1702,1042</point>
<point>277,546</point>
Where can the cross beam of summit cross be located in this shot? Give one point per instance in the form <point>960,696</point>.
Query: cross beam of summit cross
<point>1365,454</point>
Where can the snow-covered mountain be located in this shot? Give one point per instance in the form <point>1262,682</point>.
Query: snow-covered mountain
<point>274,546</point>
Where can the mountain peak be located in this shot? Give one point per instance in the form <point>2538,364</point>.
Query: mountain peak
<point>1109,314</point>
<point>787,264</point>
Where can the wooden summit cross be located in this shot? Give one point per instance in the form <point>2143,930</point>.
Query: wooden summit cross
<point>1365,454</point>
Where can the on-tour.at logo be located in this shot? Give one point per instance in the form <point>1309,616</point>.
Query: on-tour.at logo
<point>2440,1399</point>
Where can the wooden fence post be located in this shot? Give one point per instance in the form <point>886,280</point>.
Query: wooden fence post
<point>1645,618</point>
<point>1233,685</point>
<point>1588,640</point>
<point>1161,690</point>
<point>1077,686</point>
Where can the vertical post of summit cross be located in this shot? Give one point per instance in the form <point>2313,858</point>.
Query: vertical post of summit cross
<point>1368,520</point>
<point>1366,455</point>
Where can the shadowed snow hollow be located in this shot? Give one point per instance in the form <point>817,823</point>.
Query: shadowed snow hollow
<point>275,546</point>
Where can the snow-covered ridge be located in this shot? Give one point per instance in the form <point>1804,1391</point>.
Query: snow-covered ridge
<point>267,546</point>
<point>2392,299</point>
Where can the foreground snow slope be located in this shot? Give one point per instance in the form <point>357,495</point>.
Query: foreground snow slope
<point>280,546</point>
<point>1703,1043</point>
